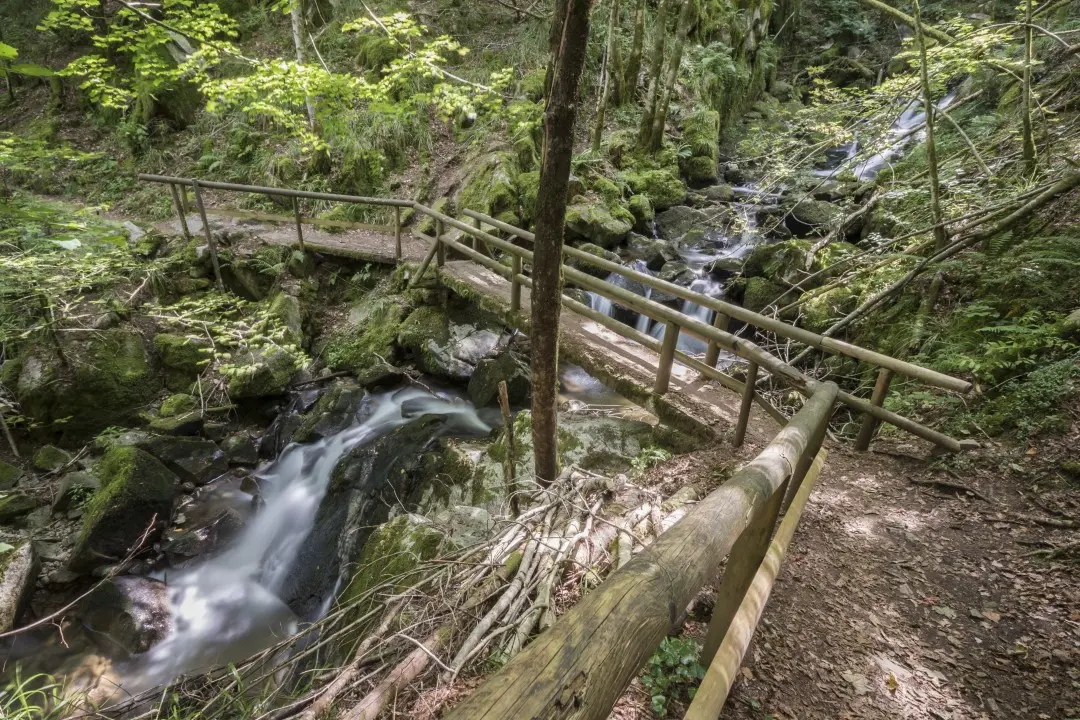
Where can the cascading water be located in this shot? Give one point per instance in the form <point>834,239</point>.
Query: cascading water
<point>228,608</point>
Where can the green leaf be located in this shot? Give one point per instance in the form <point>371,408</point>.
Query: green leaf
<point>32,70</point>
<point>5,548</point>
<point>7,52</point>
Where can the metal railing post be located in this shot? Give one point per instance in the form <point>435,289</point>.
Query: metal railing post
<point>712,354</point>
<point>515,285</point>
<point>210,242</point>
<point>877,399</point>
<point>299,228</point>
<point>179,205</point>
<point>747,403</point>
<point>667,358</point>
<point>397,233</point>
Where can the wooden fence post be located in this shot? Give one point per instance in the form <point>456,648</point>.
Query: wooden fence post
<point>742,565</point>
<point>475,239</point>
<point>397,233</point>
<point>877,399</point>
<point>515,285</point>
<point>667,358</point>
<point>299,229</point>
<point>440,254</point>
<point>720,322</point>
<point>179,210</point>
<point>747,403</point>
<point>211,244</point>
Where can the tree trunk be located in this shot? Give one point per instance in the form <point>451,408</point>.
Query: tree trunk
<point>609,75</point>
<point>656,69</point>
<point>941,238</point>
<point>907,19</point>
<point>559,117</point>
<point>659,121</point>
<point>633,63</point>
<point>296,14</point>
<point>558,20</point>
<point>1028,136</point>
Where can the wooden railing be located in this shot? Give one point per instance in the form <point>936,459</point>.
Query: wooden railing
<point>580,666</point>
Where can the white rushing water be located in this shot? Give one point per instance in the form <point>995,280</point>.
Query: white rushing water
<point>228,608</point>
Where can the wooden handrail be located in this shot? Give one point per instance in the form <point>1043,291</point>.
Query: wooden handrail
<point>281,192</point>
<point>582,664</point>
<point>930,377</point>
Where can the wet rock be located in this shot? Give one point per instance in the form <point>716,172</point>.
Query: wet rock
<point>187,424</point>
<point>18,575</point>
<point>15,507</point>
<point>587,267</point>
<point>9,475</point>
<point>604,226</point>
<point>335,410</point>
<point>477,345</point>
<point>438,361</point>
<point>674,223</point>
<point>182,357</point>
<point>194,459</point>
<point>812,218</point>
<point>265,372</point>
<point>719,193</point>
<point>484,383</point>
<point>50,457</point>
<point>654,252</point>
<point>202,541</point>
<point>241,449</point>
<point>177,405</point>
<point>725,267</point>
<point>135,489</point>
<point>75,488</point>
<point>642,210</point>
<point>131,612</point>
<point>678,273</point>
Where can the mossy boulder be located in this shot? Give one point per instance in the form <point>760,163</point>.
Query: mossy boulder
<point>135,489</point>
<point>427,322</point>
<point>490,185</point>
<point>700,171</point>
<point>9,475</point>
<point>368,347</point>
<point>264,372</point>
<point>14,507</point>
<point>786,261</point>
<point>251,278</point>
<point>642,210</point>
<point>183,359</point>
<point>654,252</point>
<point>394,549</point>
<point>719,193</point>
<point>532,84</point>
<point>334,411</point>
<point>678,273</point>
<point>528,186</point>
<point>1070,326</point>
<point>677,221</point>
<point>820,311</point>
<point>177,405</point>
<point>50,457</point>
<point>759,293</point>
<point>191,459</point>
<point>108,378</point>
<point>588,267</point>
<point>701,132</point>
<point>599,224</point>
<point>663,187</point>
<point>286,310</point>
<point>812,217</point>
<point>484,383</point>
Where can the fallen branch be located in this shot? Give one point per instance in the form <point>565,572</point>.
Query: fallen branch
<point>946,485</point>
<point>404,673</point>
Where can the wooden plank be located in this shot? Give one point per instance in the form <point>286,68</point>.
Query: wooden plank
<point>582,664</point>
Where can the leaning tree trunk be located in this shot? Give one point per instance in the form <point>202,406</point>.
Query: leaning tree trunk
<point>554,42</point>
<point>659,121</point>
<point>609,76</point>
<point>296,14</point>
<point>1028,136</point>
<point>633,63</point>
<point>559,117</point>
<point>941,238</point>
<point>656,69</point>
<point>906,19</point>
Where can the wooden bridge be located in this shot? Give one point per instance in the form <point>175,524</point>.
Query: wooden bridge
<point>580,667</point>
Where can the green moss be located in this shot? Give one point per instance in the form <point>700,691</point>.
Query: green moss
<point>423,324</point>
<point>135,487</point>
<point>700,170</point>
<point>760,293</point>
<point>181,353</point>
<point>701,132</point>
<point>823,309</point>
<point>641,208</point>
<point>662,187</point>
<point>14,507</point>
<point>608,190</point>
<point>50,457</point>
<point>427,223</point>
<point>490,185</point>
<point>267,373</point>
<point>528,185</point>
<point>177,405</point>
<point>9,475</point>
<point>392,551</point>
<point>285,309</point>
<point>532,84</point>
<point>607,227</point>
<point>367,350</point>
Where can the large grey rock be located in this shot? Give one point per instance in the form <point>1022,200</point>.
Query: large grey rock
<point>201,541</point>
<point>476,345</point>
<point>192,459</point>
<point>675,222</point>
<point>653,251</point>
<point>74,489</point>
<point>9,475</point>
<point>129,611</point>
<point>18,573</point>
<point>484,383</point>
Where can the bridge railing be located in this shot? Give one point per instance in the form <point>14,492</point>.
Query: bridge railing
<point>482,249</point>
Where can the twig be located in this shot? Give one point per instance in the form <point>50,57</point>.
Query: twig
<point>945,485</point>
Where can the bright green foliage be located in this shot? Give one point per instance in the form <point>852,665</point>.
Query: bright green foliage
<point>138,59</point>
<point>650,456</point>
<point>672,672</point>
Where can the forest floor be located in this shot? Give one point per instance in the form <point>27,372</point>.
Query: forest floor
<point>904,596</point>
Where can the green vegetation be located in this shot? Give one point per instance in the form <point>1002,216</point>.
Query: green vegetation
<point>672,673</point>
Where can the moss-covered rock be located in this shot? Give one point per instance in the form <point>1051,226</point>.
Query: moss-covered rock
<point>135,488</point>
<point>188,423</point>
<point>604,226</point>
<point>427,322</point>
<point>192,459</point>
<point>50,457</point>
<point>107,379</point>
<point>663,187</point>
<point>823,309</point>
<point>490,185</point>
<point>642,210</point>
<point>654,252</point>
<point>177,405</point>
<point>812,217</point>
<point>719,193</point>
<point>759,293</point>
<point>14,507</point>
<point>264,372</point>
<point>588,267</point>
<point>701,132</point>
<point>426,224</point>
<point>678,273</point>
<point>700,171</point>
<point>528,186</point>
<point>677,221</point>
<point>9,475</point>
<point>253,277</point>
<point>285,308</point>
<point>181,353</point>
<point>484,383</point>
<point>393,550</point>
<point>532,84</point>
<point>368,347</point>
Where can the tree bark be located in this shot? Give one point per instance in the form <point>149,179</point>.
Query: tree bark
<point>558,20</point>
<point>906,19</point>
<point>609,75</point>
<point>559,117</point>
<point>941,238</point>
<point>1028,135</point>
<point>296,15</point>
<point>686,18</point>
<point>656,69</point>
<point>633,63</point>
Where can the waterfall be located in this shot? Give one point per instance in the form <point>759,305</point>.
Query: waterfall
<point>227,608</point>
